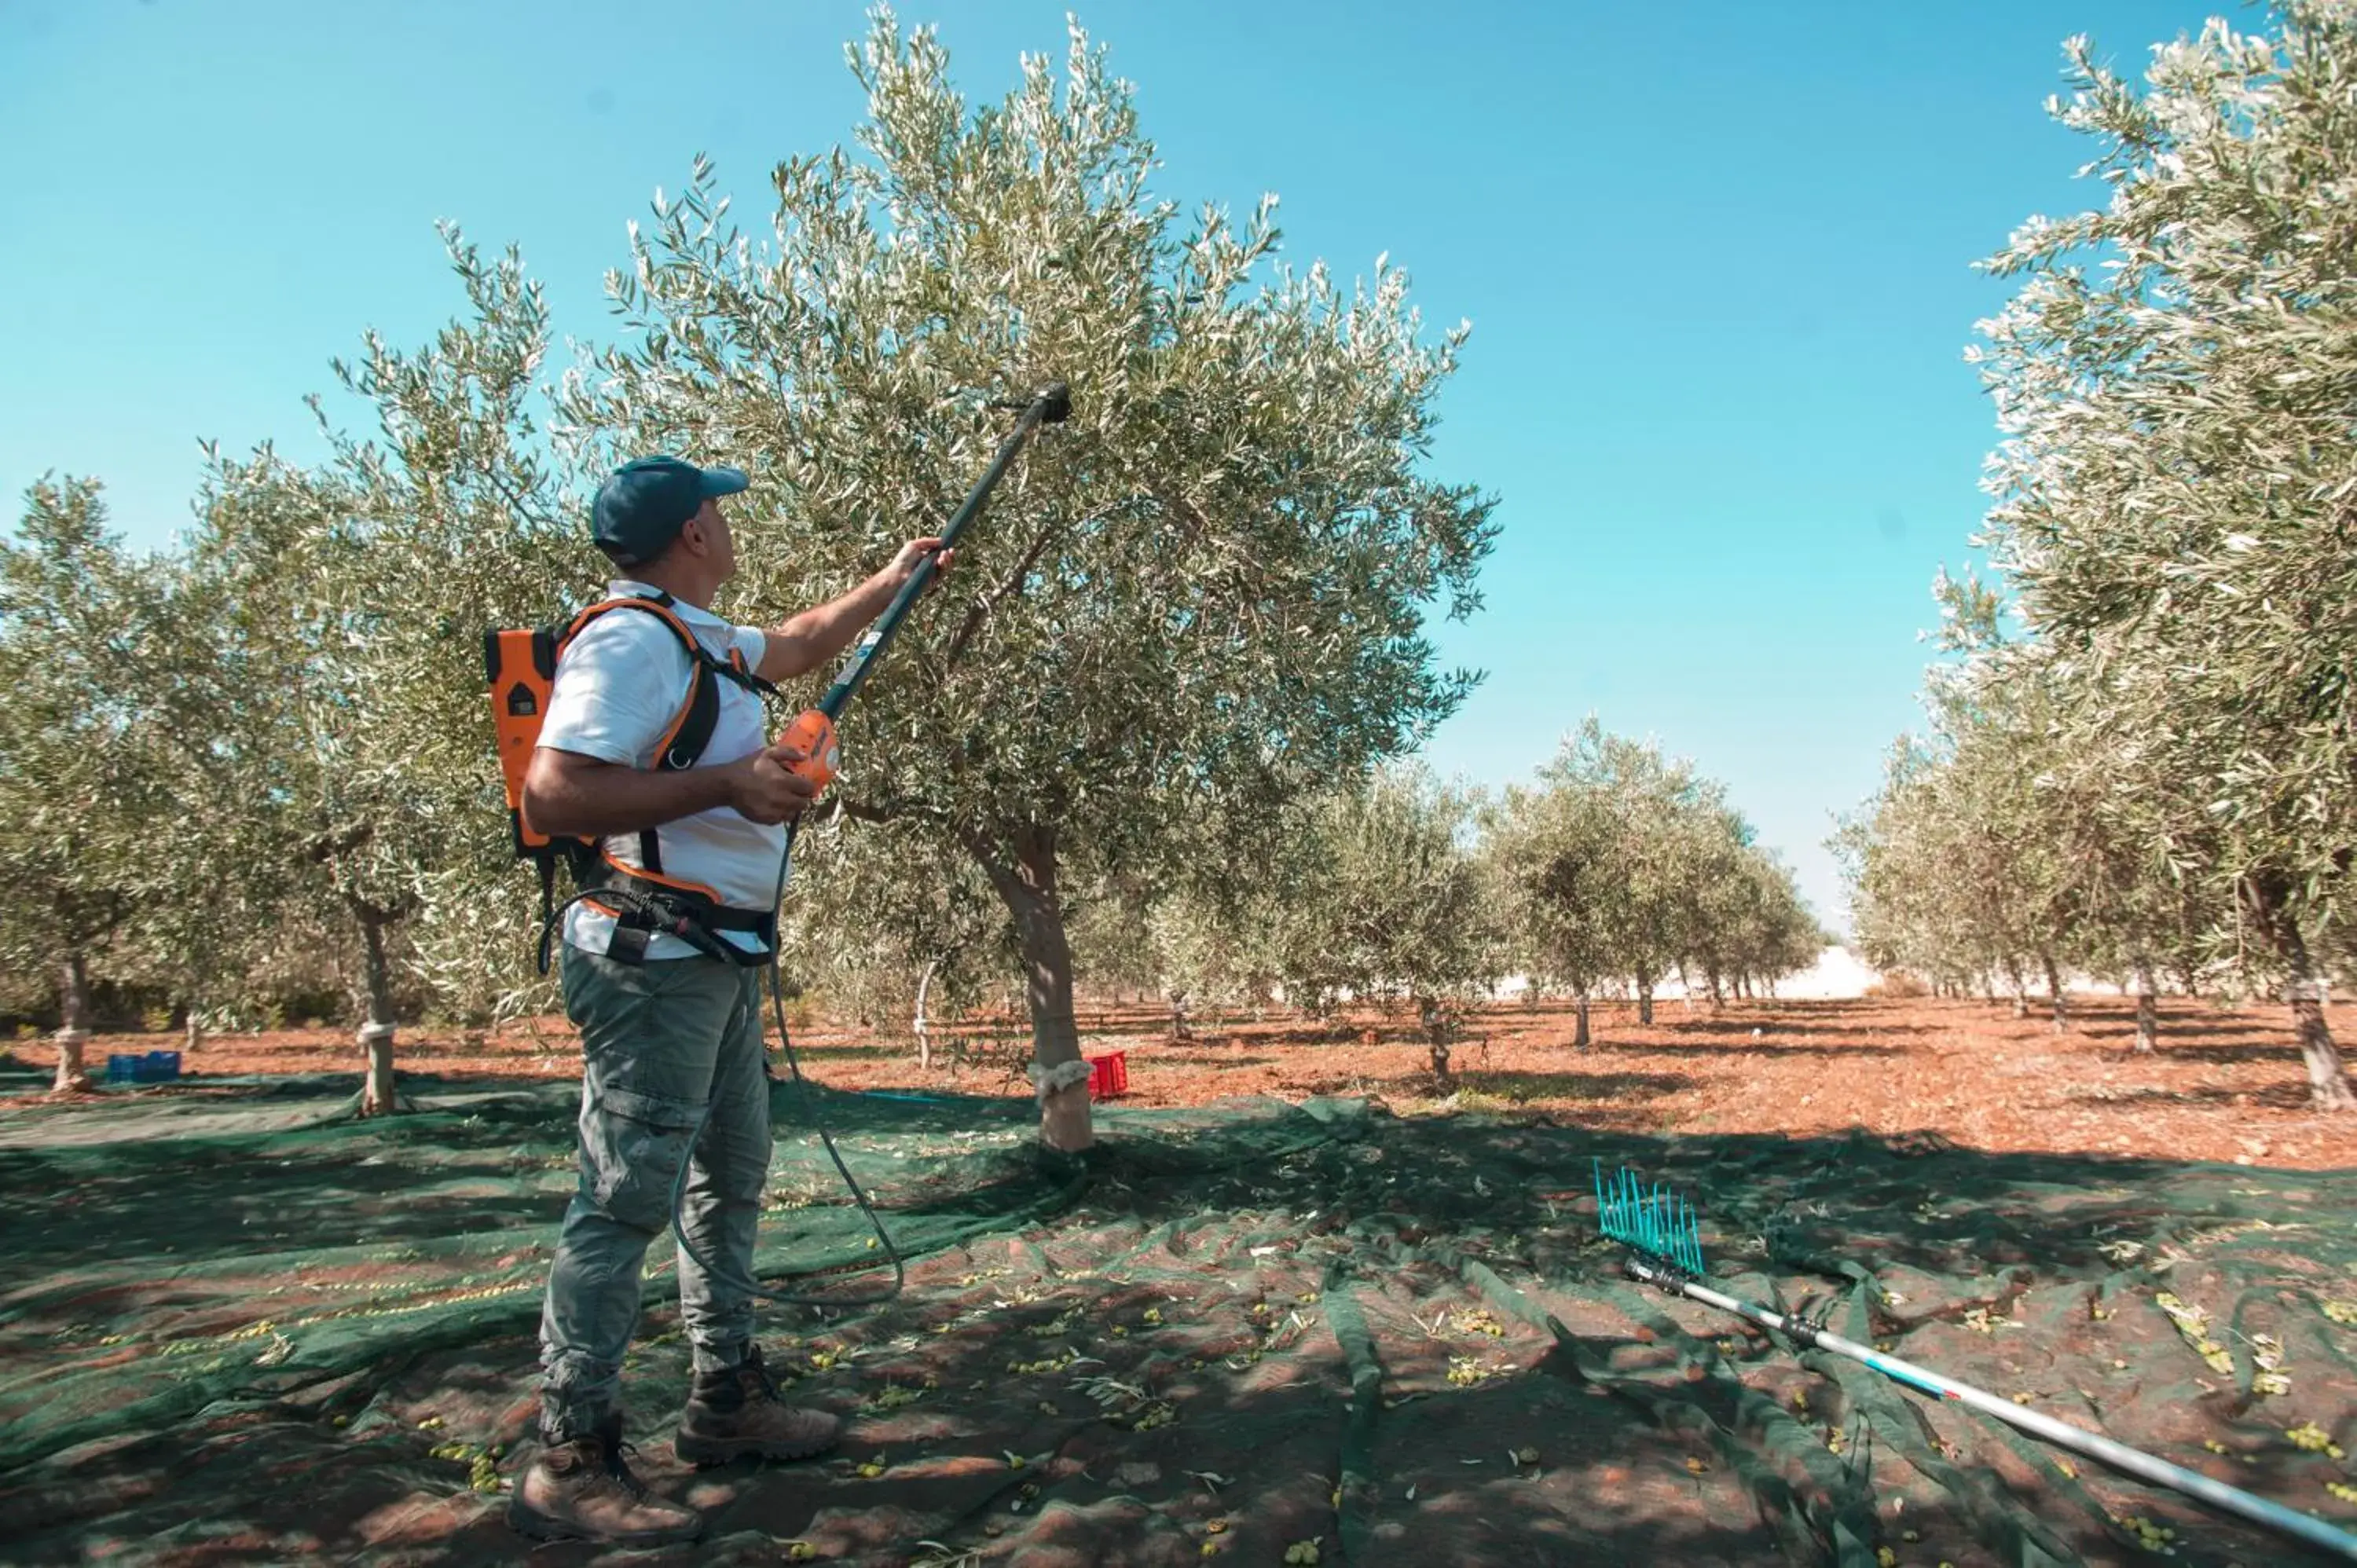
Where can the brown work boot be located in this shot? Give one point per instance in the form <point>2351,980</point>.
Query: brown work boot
<point>739,1413</point>
<point>583,1490</point>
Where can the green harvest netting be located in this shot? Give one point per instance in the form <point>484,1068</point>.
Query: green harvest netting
<point>238,1325</point>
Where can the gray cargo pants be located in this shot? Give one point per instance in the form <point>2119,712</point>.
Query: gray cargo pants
<point>660,1041</point>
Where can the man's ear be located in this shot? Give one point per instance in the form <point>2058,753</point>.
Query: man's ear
<point>695,536</point>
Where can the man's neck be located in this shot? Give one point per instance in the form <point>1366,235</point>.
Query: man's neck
<point>694,594</point>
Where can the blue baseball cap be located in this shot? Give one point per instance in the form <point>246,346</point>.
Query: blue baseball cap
<point>643,504</point>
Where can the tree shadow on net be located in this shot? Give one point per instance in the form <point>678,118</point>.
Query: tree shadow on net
<point>1261,1458</point>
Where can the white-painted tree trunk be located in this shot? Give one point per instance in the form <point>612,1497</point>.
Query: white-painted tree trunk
<point>73,1007</point>
<point>924,1040</point>
<point>376,1034</point>
<point>1026,882</point>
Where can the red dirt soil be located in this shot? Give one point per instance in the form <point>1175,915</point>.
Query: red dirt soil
<point>2226,1085</point>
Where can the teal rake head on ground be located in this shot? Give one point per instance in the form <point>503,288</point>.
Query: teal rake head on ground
<point>1653,1220</point>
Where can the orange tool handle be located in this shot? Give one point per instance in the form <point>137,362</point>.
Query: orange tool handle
<point>813,732</point>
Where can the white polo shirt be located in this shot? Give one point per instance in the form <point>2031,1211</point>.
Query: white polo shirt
<point>618,687</point>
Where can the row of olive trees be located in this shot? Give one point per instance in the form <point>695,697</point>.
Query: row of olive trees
<point>2143,761</point>
<point>1371,892</point>
<point>1615,869</point>
<point>1620,866</point>
<point>255,762</point>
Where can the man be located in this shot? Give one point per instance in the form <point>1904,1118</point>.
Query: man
<point>671,1033</point>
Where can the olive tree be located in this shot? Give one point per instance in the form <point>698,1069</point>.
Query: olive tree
<point>2001,830</point>
<point>1203,596</point>
<point>1616,863</point>
<point>2135,868</point>
<point>1717,865</point>
<point>1560,849</point>
<point>360,591</point>
<point>1969,863</point>
<point>85,765</point>
<point>1901,920</point>
<point>1954,867</point>
<point>1674,836</point>
<point>1390,902</point>
<point>1767,931</point>
<point>2177,494</point>
<point>1210,953</point>
<point>220,936</point>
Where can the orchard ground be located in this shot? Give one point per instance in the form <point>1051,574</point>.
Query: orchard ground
<point>1308,1294</point>
<point>2226,1085</point>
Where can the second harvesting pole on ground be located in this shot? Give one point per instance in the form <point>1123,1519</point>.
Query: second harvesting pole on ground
<point>2130,1461</point>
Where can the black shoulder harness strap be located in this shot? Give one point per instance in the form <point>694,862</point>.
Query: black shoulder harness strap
<point>691,729</point>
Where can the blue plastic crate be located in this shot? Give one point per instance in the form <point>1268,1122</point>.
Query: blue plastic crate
<point>162,1067</point>
<point>124,1067</point>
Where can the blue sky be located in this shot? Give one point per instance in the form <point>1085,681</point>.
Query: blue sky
<point>1717,256</point>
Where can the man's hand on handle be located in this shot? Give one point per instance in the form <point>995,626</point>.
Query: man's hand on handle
<point>904,564</point>
<point>764,787</point>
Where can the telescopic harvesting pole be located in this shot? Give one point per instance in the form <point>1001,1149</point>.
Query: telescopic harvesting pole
<point>1053,406</point>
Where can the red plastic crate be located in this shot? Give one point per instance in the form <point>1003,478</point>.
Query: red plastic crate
<point>1108,1075</point>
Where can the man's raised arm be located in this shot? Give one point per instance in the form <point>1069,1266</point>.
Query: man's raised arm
<point>818,634</point>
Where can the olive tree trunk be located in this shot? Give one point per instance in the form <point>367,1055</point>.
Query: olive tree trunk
<point>2148,1027</point>
<point>2054,992</point>
<point>1579,1039</point>
<point>73,1025</point>
<point>2267,900</point>
<point>1435,1023</point>
<point>376,1034</point>
<point>1644,1002</point>
<point>1024,873</point>
<point>924,1040</point>
<point>2020,987</point>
